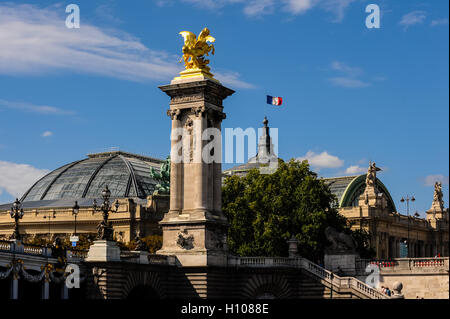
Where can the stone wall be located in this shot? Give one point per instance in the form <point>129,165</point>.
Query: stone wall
<point>427,286</point>
<point>421,277</point>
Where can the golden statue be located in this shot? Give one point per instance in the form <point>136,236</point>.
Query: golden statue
<point>194,51</point>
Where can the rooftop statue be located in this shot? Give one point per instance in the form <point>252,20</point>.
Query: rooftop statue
<point>162,177</point>
<point>195,49</point>
<point>372,175</point>
<point>438,196</point>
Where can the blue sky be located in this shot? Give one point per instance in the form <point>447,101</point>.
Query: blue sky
<point>351,94</point>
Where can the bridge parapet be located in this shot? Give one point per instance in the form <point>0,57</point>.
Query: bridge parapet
<point>18,247</point>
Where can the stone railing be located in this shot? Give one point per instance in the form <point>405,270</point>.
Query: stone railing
<point>158,259</point>
<point>125,254</point>
<point>5,245</point>
<point>361,264</point>
<point>336,282</point>
<point>22,248</point>
<point>80,254</point>
<point>429,262</point>
<point>36,250</point>
<point>404,263</point>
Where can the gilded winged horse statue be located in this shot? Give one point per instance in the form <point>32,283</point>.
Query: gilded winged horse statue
<point>195,49</point>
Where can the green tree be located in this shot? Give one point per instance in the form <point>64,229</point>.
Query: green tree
<point>153,242</point>
<point>264,210</point>
<point>362,238</point>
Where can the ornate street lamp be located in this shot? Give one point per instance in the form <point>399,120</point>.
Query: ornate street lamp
<point>16,213</point>
<point>412,199</point>
<point>75,210</point>
<point>104,229</point>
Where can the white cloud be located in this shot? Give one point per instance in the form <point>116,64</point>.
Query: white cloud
<point>28,107</point>
<point>355,169</point>
<point>259,7</point>
<point>15,179</point>
<point>47,134</point>
<point>348,82</point>
<point>349,76</point>
<point>439,22</point>
<point>35,41</point>
<point>431,179</point>
<point>299,6</point>
<point>322,160</point>
<point>349,70</point>
<point>263,7</point>
<point>232,79</point>
<point>412,18</point>
<point>212,4</point>
<point>337,7</point>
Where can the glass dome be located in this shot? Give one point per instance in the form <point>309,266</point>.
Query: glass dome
<point>126,175</point>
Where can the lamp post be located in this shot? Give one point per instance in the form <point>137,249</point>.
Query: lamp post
<point>16,213</point>
<point>75,210</point>
<point>49,218</point>
<point>105,231</point>
<point>412,199</point>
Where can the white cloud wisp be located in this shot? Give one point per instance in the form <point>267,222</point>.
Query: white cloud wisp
<point>15,179</point>
<point>35,41</point>
<point>322,160</point>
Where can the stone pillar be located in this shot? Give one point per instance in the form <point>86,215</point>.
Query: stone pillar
<point>195,228</point>
<point>45,290</point>
<point>398,247</point>
<point>104,251</point>
<point>175,170</point>
<point>65,291</point>
<point>14,288</point>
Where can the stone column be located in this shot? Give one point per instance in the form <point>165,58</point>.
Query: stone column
<point>200,168</point>
<point>197,235</point>
<point>175,170</point>
<point>217,171</point>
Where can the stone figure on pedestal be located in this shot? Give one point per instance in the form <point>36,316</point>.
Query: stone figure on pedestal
<point>371,177</point>
<point>341,255</point>
<point>438,201</point>
<point>340,242</point>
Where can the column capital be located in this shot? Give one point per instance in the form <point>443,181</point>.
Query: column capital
<point>174,114</point>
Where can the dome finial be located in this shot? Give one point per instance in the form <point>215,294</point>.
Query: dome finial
<point>266,121</point>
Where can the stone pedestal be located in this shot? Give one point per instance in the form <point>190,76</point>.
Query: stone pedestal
<point>194,229</point>
<point>103,250</point>
<point>341,264</point>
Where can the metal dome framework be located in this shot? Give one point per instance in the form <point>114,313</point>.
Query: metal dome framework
<point>348,189</point>
<point>126,175</point>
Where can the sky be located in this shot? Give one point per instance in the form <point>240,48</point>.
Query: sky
<point>350,94</point>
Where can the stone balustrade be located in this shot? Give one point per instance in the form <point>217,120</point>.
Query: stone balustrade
<point>336,282</point>
<point>399,264</point>
<point>5,245</point>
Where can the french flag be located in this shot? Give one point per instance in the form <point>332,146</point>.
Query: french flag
<point>274,100</point>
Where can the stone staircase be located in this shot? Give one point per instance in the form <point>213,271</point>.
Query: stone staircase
<point>318,282</point>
